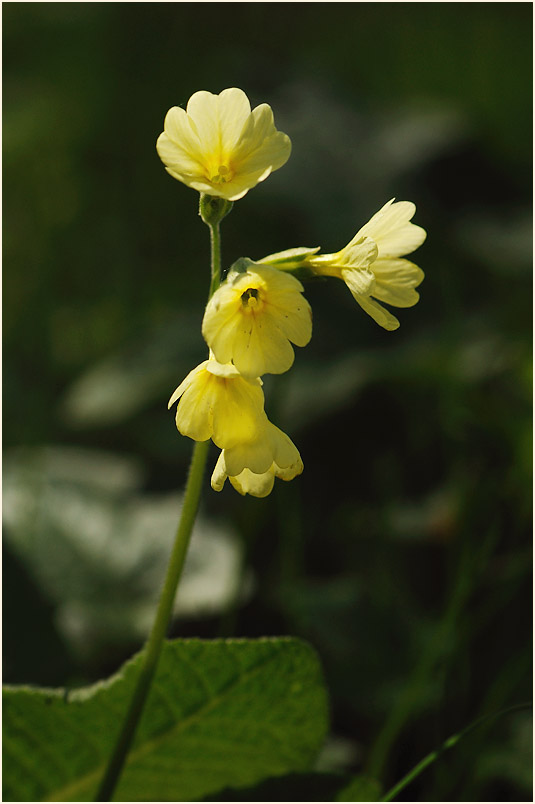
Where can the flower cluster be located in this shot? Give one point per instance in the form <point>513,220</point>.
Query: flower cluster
<point>249,324</point>
<point>221,148</point>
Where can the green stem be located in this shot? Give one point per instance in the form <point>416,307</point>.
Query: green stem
<point>449,743</point>
<point>153,647</point>
<point>154,644</point>
<point>215,247</point>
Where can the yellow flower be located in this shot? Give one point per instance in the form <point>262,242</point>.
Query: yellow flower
<point>252,467</point>
<point>216,402</point>
<point>251,319</point>
<point>219,147</point>
<point>370,264</point>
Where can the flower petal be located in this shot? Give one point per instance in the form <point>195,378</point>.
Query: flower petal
<point>286,458</point>
<point>261,146</point>
<point>395,282</point>
<point>248,482</point>
<point>234,111</point>
<point>178,160</point>
<point>261,348</point>
<point>256,455</point>
<point>359,281</point>
<point>216,402</point>
<point>219,474</point>
<point>186,382</point>
<point>237,412</point>
<point>252,467</point>
<point>377,312</point>
<point>293,319</point>
<point>203,112</point>
<point>391,229</point>
<point>194,414</point>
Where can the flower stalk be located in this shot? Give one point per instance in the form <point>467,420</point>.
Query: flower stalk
<point>190,506</point>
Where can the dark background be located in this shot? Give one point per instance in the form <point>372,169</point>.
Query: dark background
<point>403,553</point>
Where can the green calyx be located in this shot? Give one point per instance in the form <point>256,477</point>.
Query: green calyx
<point>213,209</point>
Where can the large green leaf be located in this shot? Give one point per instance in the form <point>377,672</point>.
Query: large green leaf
<point>226,713</point>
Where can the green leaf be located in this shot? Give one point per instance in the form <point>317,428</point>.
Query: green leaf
<point>226,713</point>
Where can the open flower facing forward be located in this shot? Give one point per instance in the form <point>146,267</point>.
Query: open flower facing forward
<point>253,468</point>
<point>252,318</point>
<point>219,146</point>
<point>371,264</point>
<point>215,401</point>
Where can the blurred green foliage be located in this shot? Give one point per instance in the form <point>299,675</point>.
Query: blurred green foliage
<point>403,553</point>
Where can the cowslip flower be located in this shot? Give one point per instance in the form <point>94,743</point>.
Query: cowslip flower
<point>370,264</point>
<point>252,467</point>
<point>254,317</point>
<point>215,401</point>
<point>219,146</point>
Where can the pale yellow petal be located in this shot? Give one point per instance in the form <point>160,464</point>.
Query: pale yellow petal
<point>203,111</point>
<point>234,111</point>
<point>222,319</point>
<point>272,154</point>
<point>395,282</point>
<point>261,348</point>
<point>221,334</point>
<point>292,315</point>
<point>178,161</point>
<point>360,253</point>
<point>216,401</point>
<point>377,312</point>
<point>261,145</point>
<point>219,369</point>
<point>219,474</point>
<point>194,414</point>
<point>238,412</point>
<point>289,472</point>
<point>177,126</point>
<point>256,485</point>
<point>359,281</point>
<point>191,377</point>
<point>256,455</point>
<point>286,456</point>
<point>391,229</point>
<point>278,280</point>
